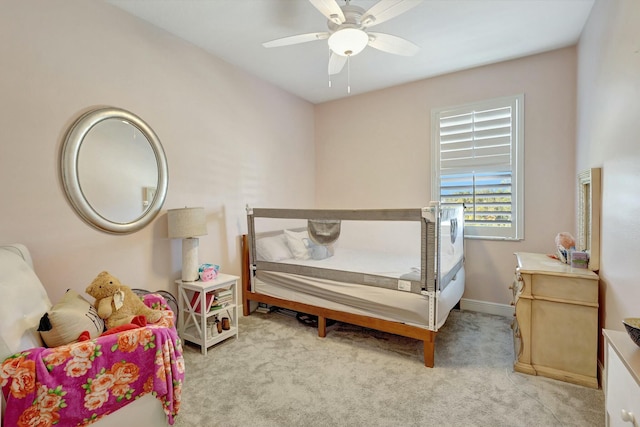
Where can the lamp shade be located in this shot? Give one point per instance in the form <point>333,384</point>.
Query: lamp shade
<point>186,222</point>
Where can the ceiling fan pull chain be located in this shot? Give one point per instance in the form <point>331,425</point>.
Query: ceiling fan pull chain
<point>329,71</point>
<point>348,74</point>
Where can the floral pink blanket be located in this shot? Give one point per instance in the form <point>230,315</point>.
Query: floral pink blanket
<point>79,383</point>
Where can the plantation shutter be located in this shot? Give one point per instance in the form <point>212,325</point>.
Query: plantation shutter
<point>477,164</point>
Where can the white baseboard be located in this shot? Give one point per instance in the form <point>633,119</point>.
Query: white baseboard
<point>487,307</point>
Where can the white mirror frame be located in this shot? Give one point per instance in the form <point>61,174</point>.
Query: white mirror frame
<point>71,181</point>
<point>589,203</point>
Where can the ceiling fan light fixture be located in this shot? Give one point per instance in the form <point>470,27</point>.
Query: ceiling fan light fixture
<point>348,41</point>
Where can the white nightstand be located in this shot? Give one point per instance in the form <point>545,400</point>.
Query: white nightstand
<point>201,329</point>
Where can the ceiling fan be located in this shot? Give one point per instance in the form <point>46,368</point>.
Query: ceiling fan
<point>348,31</point>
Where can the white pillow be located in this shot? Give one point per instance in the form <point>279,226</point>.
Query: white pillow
<point>272,249</point>
<point>297,243</point>
<point>64,322</point>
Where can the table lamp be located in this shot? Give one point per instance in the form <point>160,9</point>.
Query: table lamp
<point>187,224</point>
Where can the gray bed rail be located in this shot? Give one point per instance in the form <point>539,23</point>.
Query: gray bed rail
<point>429,218</point>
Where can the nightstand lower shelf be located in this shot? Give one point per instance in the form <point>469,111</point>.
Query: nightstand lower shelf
<point>191,334</point>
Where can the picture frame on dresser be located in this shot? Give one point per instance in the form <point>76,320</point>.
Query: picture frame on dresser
<point>589,207</point>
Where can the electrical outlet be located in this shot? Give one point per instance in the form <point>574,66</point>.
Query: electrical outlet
<point>404,285</point>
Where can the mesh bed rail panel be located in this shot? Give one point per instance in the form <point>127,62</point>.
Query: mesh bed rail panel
<point>419,226</point>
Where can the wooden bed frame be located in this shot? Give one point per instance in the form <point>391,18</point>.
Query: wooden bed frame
<point>426,336</point>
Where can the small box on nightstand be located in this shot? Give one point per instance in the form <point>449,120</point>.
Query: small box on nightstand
<point>579,259</point>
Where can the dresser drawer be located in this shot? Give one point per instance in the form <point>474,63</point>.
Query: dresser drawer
<point>623,393</point>
<point>573,289</point>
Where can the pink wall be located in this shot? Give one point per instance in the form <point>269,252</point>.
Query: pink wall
<point>230,139</point>
<point>608,128</point>
<point>374,150</point>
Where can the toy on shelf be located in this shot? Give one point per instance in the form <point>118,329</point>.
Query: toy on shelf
<point>208,272</point>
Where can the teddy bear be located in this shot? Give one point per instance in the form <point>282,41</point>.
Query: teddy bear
<point>117,304</point>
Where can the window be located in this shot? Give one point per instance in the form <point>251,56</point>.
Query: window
<point>478,161</point>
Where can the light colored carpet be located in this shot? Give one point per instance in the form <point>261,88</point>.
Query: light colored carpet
<point>279,373</point>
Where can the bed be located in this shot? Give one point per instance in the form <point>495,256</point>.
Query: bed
<point>395,270</point>
<point>133,377</point>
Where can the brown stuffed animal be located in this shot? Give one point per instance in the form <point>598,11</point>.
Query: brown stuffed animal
<point>116,303</point>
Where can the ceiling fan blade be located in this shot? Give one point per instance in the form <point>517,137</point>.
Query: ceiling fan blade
<point>300,38</point>
<point>387,9</point>
<point>330,9</point>
<point>336,63</point>
<point>392,44</point>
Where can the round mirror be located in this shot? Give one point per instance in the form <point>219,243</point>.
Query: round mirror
<point>114,170</point>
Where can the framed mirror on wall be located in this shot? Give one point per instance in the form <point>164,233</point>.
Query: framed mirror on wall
<point>589,207</point>
<point>114,170</point>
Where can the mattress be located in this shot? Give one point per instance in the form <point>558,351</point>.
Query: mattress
<point>398,306</point>
<point>385,264</point>
<point>364,261</point>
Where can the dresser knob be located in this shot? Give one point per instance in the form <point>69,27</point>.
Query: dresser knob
<point>628,417</point>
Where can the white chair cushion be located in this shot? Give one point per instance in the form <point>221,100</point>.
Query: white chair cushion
<point>23,301</point>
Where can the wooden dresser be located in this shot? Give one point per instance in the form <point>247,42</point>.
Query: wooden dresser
<point>556,320</point>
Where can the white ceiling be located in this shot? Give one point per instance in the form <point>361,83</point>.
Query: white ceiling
<point>452,34</point>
